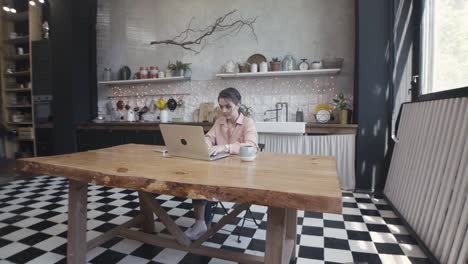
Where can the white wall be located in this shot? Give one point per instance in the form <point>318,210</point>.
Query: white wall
<point>304,28</point>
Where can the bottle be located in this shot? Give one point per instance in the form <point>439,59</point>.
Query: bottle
<point>143,73</point>
<point>106,74</point>
<point>299,115</point>
<point>153,72</point>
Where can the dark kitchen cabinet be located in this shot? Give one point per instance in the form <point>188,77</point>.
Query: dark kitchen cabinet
<point>89,139</point>
<point>44,142</point>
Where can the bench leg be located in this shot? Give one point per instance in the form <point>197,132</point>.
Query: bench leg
<point>147,212</point>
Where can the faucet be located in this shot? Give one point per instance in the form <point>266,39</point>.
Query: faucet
<point>278,107</point>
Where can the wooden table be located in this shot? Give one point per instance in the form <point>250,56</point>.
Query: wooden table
<point>284,183</point>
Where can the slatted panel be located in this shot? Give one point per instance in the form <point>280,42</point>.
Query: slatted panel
<point>428,175</point>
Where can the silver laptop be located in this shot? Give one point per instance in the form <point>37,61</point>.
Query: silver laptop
<point>187,142</point>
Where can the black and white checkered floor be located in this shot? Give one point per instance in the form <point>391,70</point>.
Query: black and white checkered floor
<point>33,228</point>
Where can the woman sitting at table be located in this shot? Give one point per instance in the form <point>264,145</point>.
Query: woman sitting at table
<point>229,132</point>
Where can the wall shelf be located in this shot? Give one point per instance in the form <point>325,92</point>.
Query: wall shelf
<point>20,29</point>
<point>18,90</point>
<point>18,40</point>
<point>142,81</point>
<point>279,73</point>
<point>18,57</point>
<point>23,16</point>
<point>18,74</point>
<point>20,123</point>
<point>19,106</point>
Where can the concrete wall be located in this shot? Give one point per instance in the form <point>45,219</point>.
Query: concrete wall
<point>303,28</point>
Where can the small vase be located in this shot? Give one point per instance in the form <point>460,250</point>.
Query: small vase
<point>275,66</point>
<point>180,72</point>
<point>344,117</point>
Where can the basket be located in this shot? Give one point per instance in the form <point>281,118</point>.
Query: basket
<point>334,63</point>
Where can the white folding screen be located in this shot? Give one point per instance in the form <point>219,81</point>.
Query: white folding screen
<point>428,175</point>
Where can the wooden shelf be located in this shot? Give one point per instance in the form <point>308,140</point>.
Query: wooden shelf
<point>19,106</point>
<point>18,74</point>
<point>279,73</point>
<point>23,16</point>
<point>141,81</point>
<point>17,57</point>
<point>25,139</point>
<point>18,40</point>
<point>18,90</point>
<point>20,123</point>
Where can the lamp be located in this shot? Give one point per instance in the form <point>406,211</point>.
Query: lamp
<point>31,2</point>
<point>41,1</point>
<point>6,8</point>
<point>12,10</point>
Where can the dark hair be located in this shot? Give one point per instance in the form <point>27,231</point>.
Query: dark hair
<point>234,96</point>
<point>231,94</point>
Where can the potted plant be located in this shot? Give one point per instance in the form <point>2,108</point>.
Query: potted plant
<point>342,106</point>
<point>275,64</point>
<point>171,67</point>
<point>246,110</point>
<point>181,68</point>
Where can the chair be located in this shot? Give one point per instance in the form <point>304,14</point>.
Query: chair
<point>261,146</point>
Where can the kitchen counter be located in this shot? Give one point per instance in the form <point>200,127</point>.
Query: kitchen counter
<point>311,128</point>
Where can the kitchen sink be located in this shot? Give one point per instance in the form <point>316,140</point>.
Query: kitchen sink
<point>280,127</point>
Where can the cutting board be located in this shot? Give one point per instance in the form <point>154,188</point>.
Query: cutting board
<point>206,112</point>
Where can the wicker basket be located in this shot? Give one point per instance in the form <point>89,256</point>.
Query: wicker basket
<point>334,63</point>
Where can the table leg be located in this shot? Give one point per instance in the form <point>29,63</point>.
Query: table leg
<point>291,229</point>
<point>77,203</point>
<point>147,212</point>
<point>275,236</point>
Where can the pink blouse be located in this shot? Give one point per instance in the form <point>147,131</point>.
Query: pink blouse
<point>241,134</point>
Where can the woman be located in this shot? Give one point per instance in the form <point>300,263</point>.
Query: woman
<point>229,132</point>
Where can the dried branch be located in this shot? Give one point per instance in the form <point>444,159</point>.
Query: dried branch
<point>218,27</point>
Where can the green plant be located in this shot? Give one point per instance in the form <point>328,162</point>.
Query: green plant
<point>182,66</point>
<point>171,66</point>
<point>341,103</point>
<point>246,110</point>
<point>275,59</point>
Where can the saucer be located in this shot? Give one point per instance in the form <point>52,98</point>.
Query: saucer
<point>247,158</point>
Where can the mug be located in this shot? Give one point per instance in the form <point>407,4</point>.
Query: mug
<point>254,67</point>
<point>247,153</point>
<point>164,116</point>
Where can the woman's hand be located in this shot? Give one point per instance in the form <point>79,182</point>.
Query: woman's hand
<point>214,150</point>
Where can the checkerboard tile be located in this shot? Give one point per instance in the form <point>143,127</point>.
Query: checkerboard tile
<point>33,228</point>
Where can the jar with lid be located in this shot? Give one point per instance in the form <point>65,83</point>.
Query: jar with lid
<point>153,72</point>
<point>288,63</point>
<point>106,74</point>
<point>143,73</point>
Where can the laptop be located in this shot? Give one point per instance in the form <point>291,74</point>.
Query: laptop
<point>187,142</point>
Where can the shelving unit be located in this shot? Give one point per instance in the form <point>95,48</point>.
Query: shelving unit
<point>143,81</point>
<point>17,101</point>
<point>279,73</point>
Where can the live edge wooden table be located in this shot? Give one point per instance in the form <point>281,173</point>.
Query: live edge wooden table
<point>284,183</point>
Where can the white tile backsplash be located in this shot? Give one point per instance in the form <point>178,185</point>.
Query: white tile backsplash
<point>259,93</point>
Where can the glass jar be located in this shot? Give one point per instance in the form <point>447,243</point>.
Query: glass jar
<point>106,74</point>
<point>288,63</point>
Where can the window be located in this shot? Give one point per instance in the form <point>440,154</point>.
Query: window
<point>444,45</point>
